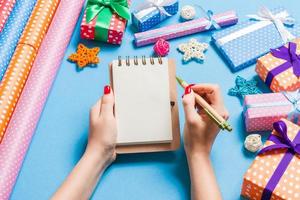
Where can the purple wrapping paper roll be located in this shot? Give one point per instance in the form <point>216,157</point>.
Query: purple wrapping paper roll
<point>183,29</point>
<point>31,103</point>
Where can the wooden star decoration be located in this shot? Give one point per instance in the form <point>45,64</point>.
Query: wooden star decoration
<point>244,87</point>
<point>193,50</point>
<point>85,56</point>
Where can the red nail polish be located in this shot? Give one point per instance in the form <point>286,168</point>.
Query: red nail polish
<point>187,90</point>
<point>191,85</point>
<point>107,89</point>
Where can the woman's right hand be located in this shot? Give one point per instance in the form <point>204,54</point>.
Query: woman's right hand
<point>200,131</point>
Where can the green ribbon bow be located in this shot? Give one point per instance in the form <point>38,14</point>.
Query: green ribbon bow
<point>103,10</point>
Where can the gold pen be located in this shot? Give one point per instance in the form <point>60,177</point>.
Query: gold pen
<point>218,119</point>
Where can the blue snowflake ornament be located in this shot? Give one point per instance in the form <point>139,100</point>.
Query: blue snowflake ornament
<point>244,87</point>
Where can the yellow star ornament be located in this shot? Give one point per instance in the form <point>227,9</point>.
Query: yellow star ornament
<point>85,56</point>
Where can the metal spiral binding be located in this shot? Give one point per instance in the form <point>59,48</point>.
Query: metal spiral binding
<point>119,61</point>
<point>127,61</point>
<point>160,60</point>
<point>136,60</point>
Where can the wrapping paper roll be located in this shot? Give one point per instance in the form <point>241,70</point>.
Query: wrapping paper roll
<point>31,103</point>
<point>15,24</point>
<point>185,28</point>
<point>6,7</point>
<point>20,65</point>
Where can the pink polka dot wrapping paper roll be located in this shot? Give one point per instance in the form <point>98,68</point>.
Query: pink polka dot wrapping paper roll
<point>32,100</point>
<point>185,28</point>
<point>275,174</point>
<point>6,7</point>
<point>20,65</point>
<point>279,73</point>
<point>262,110</point>
<point>102,29</point>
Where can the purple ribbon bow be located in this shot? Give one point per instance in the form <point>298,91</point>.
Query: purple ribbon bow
<point>290,56</point>
<point>280,142</point>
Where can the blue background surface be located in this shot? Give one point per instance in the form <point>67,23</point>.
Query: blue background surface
<point>61,135</point>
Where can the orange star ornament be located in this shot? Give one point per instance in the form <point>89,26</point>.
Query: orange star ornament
<point>85,56</point>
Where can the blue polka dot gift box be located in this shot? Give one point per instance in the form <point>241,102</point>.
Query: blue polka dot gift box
<point>243,44</point>
<point>152,12</point>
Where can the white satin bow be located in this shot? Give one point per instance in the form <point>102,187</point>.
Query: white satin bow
<point>264,14</point>
<point>157,4</point>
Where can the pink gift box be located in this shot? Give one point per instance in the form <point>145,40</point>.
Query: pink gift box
<point>262,110</point>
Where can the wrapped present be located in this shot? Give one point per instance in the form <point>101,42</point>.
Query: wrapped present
<point>211,21</point>
<point>262,110</point>
<point>280,69</point>
<point>275,172</point>
<point>105,20</point>
<point>152,12</point>
<point>243,44</point>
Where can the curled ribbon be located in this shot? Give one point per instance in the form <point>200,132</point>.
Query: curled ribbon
<point>154,4</point>
<point>264,14</point>
<point>209,16</point>
<point>280,142</point>
<point>105,8</point>
<point>290,56</point>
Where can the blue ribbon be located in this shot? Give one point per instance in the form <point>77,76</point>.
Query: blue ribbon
<point>209,16</point>
<point>212,22</point>
<point>292,100</point>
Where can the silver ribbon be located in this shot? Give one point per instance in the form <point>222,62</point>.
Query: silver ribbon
<point>150,5</point>
<point>264,18</point>
<point>294,98</point>
<point>264,14</point>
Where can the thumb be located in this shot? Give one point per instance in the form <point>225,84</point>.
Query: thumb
<point>191,115</point>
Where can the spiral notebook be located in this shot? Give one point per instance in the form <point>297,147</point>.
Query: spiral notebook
<point>145,105</point>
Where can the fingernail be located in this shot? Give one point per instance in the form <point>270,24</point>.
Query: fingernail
<point>187,90</point>
<point>191,85</point>
<point>106,89</point>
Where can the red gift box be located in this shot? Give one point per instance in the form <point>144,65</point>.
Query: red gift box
<point>111,32</point>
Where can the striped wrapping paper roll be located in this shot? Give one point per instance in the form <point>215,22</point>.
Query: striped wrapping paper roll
<point>20,65</point>
<point>15,24</point>
<point>6,7</point>
<point>31,103</point>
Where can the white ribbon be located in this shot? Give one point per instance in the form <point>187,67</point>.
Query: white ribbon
<point>150,5</point>
<point>264,18</point>
<point>294,98</point>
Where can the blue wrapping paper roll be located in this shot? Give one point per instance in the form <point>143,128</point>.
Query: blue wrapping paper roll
<point>12,31</point>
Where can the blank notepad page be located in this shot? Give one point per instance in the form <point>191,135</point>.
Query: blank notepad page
<point>142,102</point>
